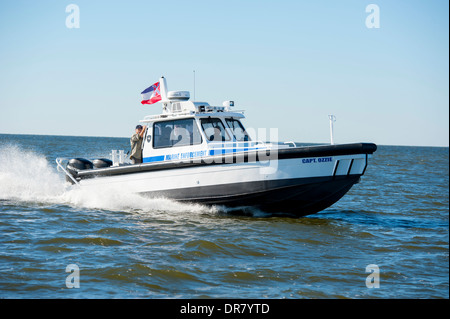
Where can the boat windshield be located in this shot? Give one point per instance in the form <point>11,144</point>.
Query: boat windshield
<point>176,133</point>
<point>214,129</point>
<point>238,130</point>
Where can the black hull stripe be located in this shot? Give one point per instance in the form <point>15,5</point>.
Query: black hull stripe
<point>299,197</point>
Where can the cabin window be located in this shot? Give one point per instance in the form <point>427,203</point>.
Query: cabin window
<point>176,133</point>
<point>214,129</point>
<point>238,130</point>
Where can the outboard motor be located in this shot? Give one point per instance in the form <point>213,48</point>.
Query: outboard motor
<point>75,165</point>
<point>102,162</point>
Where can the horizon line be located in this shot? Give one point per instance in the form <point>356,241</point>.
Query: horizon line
<point>322,143</point>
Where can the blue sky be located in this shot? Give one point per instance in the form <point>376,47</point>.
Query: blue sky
<point>287,63</point>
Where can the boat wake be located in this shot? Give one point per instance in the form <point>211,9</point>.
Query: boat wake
<point>28,177</point>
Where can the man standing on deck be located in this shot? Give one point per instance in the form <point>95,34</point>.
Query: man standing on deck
<point>136,144</point>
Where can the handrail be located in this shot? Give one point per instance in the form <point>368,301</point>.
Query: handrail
<point>290,142</point>
<point>235,144</point>
<point>151,118</point>
<point>60,166</point>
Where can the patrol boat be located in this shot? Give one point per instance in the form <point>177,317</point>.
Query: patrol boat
<point>196,152</point>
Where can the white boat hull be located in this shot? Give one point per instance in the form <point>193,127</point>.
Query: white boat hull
<point>283,183</point>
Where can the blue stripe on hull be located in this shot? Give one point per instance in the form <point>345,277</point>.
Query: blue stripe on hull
<point>196,154</point>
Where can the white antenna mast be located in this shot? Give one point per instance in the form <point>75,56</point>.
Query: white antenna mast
<point>332,119</point>
<point>163,89</point>
<point>194,85</point>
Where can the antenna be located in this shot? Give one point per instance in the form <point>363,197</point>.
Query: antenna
<point>194,85</point>
<point>332,119</point>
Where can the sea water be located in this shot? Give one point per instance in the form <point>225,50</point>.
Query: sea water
<point>387,238</point>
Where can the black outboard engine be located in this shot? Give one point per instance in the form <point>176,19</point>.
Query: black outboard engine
<point>75,165</point>
<point>102,162</point>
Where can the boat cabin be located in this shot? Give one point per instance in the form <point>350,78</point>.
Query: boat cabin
<point>188,130</point>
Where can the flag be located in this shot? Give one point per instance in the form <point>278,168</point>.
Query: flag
<point>151,94</point>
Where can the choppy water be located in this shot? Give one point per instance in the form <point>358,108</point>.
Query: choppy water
<point>126,246</point>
